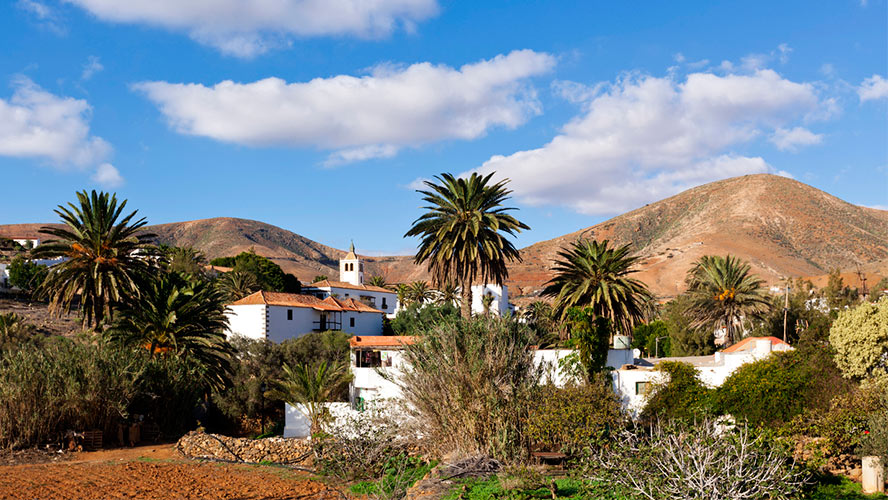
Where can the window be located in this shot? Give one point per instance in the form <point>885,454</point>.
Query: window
<point>290,314</point>
<point>384,305</point>
<point>642,388</point>
<point>373,359</point>
<point>351,322</point>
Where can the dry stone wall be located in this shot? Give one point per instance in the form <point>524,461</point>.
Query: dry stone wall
<point>289,451</point>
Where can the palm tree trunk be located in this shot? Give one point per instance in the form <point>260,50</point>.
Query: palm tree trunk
<point>465,303</point>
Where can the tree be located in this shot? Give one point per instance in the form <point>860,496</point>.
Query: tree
<point>403,291</point>
<point>645,336</point>
<point>25,274</point>
<point>540,317</point>
<point>486,302</point>
<point>414,319</point>
<point>420,293</point>
<point>684,338</point>
<point>236,285</point>
<point>180,317</point>
<point>184,260</point>
<point>107,256</point>
<point>320,277</point>
<point>377,280</point>
<point>860,337</point>
<point>837,294</point>
<point>723,292</point>
<point>590,333</point>
<point>311,387</point>
<point>593,274</point>
<point>463,232</point>
<point>680,395</point>
<point>448,293</point>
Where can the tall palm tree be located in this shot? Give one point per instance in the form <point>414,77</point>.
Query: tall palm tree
<point>594,274</point>
<point>403,291</point>
<point>463,232</point>
<point>722,292</point>
<point>236,285</point>
<point>311,387</point>
<point>106,257</point>
<point>420,293</point>
<point>185,260</point>
<point>181,317</point>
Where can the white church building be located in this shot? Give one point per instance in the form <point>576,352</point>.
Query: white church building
<point>346,305</point>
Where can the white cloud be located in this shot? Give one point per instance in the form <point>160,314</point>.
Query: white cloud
<point>873,88</point>
<point>363,117</point>
<point>246,28</point>
<point>107,175</point>
<point>91,67</point>
<point>43,14</point>
<point>644,138</point>
<point>37,124</point>
<point>792,139</point>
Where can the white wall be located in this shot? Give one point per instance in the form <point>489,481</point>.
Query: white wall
<point>246,320</point>
<point>298,425</point>
<point>281,329</point>
<point>500,304</point>
<point>366,323</point>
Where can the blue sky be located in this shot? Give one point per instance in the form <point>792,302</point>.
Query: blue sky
<point>321,116</point>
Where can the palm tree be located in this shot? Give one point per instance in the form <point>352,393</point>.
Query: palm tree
<point>593,274</point>
<point>463,233</point>
<point>236,285</point>
<point>486,302</point>
<point>181,317</point>
<point>377,280</point>
<point>448,293</point>
<point>185,260</point>
<point>420,293</point>
<point>106,257</point>
<point>311,387</point>
<point>722,292</point>
<point>403,291</point>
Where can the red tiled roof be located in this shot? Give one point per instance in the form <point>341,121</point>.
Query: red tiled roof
<point>749,343</point>
<point>343,284</point>
<point>381,341</point>
<point>299,300</point>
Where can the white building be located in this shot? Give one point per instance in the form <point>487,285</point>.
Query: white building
<point>280,316</point>
<point>500,304</point>
<point>351,286</point>
<point>632,382</point>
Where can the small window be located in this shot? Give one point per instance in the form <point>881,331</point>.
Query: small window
<point>642,388</point>
<point>384,305</point>
<point>351,322</point>
<point>290,314</point>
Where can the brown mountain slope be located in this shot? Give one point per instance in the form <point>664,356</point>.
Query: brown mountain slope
<point>781,226</point>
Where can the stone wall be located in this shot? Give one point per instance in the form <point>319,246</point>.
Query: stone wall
<point>279,450</point>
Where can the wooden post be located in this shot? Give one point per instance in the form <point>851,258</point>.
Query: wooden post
<point>873,475</point>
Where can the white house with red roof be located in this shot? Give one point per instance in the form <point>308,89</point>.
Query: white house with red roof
<point>351,286</point>
<point>278,316</point>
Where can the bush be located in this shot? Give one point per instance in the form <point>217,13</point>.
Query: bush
<point>773,390</point>
<point>699,460</point>
<point>860,337</point>
<point>469,386</point>
<point>25,274</point>
<point>682,395</point>
<point>684,339</point>
<point>359,445</point>
<point>417,318</point>
<point>572,418</point>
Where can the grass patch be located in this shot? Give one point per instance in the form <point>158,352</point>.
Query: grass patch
<point>839,488</point>
<point>401,473</point>
<point>564,488</point>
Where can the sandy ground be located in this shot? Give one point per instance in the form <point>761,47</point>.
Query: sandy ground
<point>154,472</point>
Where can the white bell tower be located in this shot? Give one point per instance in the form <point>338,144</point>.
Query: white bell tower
<point>351,269</point>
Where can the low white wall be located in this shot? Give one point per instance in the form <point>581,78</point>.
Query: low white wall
<point>247,321</point>
<point>297,423</point>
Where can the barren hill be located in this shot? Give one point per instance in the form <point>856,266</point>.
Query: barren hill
<point>781,226</point>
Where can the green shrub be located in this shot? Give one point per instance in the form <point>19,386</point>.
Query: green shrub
<point>417,318</point>
<point>681,396</point>
<point>25,274</point>
<point>572,418</point>
<point>773,390</point>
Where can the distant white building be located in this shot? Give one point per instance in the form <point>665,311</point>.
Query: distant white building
<point>351,286</point>
<point>500,303</point>
<point>280,316</point>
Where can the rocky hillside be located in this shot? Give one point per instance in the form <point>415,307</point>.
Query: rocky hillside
<point>781,226</point>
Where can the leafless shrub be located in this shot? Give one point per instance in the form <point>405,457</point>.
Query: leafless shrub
<point>359,445</point>
<point>703,461</point>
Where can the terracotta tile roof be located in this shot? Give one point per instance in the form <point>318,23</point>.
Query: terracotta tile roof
<point>748,344</point>
<point>343,284</point>
<point>286,299</point>
<point>298,300</point>
<point>381,341</point>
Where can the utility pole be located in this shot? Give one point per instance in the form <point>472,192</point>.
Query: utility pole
<point>785,311</point>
